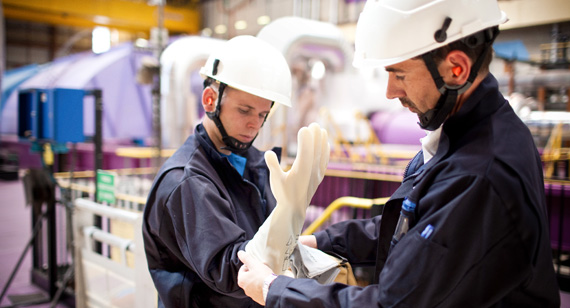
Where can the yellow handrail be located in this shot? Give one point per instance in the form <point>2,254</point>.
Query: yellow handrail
<point>552,149</point>
<point>362,203</point>
<point>91,173</point>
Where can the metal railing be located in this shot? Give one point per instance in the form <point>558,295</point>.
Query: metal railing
<point>103,282</point>
<point>350,202</point>
<point>131,191</point>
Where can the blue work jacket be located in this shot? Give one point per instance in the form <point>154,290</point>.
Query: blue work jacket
<point>199,214</point>
<point>483,195</point>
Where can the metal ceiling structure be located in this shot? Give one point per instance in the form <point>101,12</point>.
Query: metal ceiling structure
<point>180,16</point>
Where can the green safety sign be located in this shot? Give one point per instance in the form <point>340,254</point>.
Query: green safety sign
<point>105,186</point>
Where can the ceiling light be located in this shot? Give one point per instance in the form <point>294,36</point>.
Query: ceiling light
<point>207,32</point>
<point>100,39</point>
<point>240,25</point>
<point>220,29</point>
<point>318,70</point>
<point>263,20</point>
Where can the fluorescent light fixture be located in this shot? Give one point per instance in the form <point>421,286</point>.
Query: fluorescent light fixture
<point>115,36</point>
<point>104,20</point>
<point>220,29</point>
<point>240,24</point>
<point>263,20</point>
<point>318,70</point>
<point>100,39</point>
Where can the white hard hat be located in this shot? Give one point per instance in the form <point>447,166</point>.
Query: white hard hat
<point>251,65</point>
<point>392,31</point>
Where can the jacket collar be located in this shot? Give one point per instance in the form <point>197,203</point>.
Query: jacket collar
<point>254,157</point>
<point>482,103</point>
<point>473,111</point>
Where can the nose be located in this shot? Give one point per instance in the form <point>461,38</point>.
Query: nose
<point>255,122</point>
<point>393,90</point>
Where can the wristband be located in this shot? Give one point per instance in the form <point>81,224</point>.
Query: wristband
<point>266,283</point>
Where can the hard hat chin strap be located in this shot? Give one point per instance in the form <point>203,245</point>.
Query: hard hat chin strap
<point>433,118</point>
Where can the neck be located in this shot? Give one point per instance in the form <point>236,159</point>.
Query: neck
<point>465,95</point>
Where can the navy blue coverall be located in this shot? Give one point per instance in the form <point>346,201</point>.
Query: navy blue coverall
<point>483,194</point>
<point>199,214</point>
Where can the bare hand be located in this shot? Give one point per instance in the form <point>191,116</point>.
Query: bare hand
<point>308,240</point>
<point>251,275</point>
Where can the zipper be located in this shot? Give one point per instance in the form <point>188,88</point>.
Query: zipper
<point>262,201</point>
<point>409,163</point>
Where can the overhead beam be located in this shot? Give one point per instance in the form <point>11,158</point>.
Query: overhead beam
<point>120,14</point>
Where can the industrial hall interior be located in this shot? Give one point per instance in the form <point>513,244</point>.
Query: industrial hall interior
<point>100,98</point>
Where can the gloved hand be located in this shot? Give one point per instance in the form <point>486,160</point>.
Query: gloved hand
<point>297,186</point>
<point>276,238</point>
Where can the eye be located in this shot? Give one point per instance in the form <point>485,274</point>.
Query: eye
<point>263,115</point>
<point>400,77</point>
<point>243,111</point>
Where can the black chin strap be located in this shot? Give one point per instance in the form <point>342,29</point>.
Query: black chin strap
<point>433,118</point>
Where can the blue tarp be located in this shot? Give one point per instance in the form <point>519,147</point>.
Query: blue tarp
<point>513,50</point>
<point>13,78</point>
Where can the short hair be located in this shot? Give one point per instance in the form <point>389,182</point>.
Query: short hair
<point>470,46</point>
<point>208,81</point>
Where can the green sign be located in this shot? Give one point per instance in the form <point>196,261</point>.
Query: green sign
<point>105,186</point>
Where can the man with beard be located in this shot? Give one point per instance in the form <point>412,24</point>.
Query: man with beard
<point>468,226</point>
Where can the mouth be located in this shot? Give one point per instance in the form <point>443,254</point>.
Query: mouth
<point>407,104</point>
<point>246,138</point>
<point>410,108</point>
<point>414,110</point>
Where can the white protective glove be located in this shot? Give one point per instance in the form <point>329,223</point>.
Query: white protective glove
<point>276,238</point>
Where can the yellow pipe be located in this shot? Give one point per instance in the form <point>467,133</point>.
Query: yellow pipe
<point>143,152</point>
<point>362,203</point>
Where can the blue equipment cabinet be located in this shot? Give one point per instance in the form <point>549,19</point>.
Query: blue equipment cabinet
<point>51,115</point>
<point>29,113</point>
<point>62,115</point>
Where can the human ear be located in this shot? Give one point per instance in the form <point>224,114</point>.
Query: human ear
<point>457,67</point>
<point>209,99</point>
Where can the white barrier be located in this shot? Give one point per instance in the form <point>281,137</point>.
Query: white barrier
<point>99,280</point>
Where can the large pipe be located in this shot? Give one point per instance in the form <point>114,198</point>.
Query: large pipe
<point>107,211</point>
<point>333,12</point>
<point>550,78</point>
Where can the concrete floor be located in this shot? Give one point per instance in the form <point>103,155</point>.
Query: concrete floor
<point>15,232</point>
